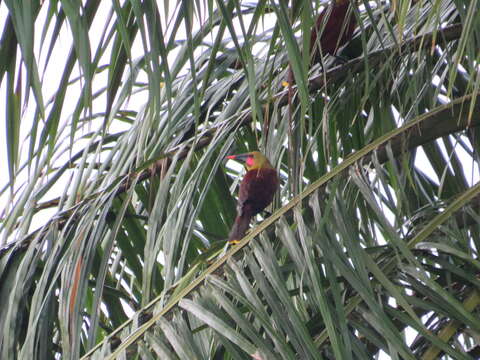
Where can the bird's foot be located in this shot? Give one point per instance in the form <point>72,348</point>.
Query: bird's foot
<point>233,242</point>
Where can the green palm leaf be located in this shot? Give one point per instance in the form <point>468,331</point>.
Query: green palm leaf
<point>118,198</point>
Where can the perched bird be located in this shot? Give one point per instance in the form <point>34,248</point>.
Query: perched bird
<point>256,191</point>
<point>335,24</point>
<point>337,30</point>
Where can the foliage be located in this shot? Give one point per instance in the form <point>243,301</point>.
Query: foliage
<point>118,198</point>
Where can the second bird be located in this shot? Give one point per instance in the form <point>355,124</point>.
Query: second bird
<point>256,191</point>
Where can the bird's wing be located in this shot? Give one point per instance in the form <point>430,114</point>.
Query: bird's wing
<point>245,193</point>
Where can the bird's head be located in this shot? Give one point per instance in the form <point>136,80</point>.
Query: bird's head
<point>253,160</point>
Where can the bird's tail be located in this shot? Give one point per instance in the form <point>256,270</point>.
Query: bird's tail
<point>239,228</point>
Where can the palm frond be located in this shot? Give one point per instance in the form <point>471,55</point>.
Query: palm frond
<point>118,200</point>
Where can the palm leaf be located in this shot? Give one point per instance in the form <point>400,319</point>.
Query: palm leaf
<point>114,218</point>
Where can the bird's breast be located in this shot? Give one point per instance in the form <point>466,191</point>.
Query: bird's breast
<point>258,188</point>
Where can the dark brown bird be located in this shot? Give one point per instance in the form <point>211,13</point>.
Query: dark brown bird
<point>336,30</point>
<point>256,191</point>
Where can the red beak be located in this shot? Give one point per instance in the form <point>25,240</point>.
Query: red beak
<point>239,157</point>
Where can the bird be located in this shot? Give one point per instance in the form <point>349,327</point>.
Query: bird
<point>256,192</point>
<point>337,30</point>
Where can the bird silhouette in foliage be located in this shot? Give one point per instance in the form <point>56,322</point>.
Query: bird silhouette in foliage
<point>335,24</point>
<point>335,31</point>
<point>256,191</point>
